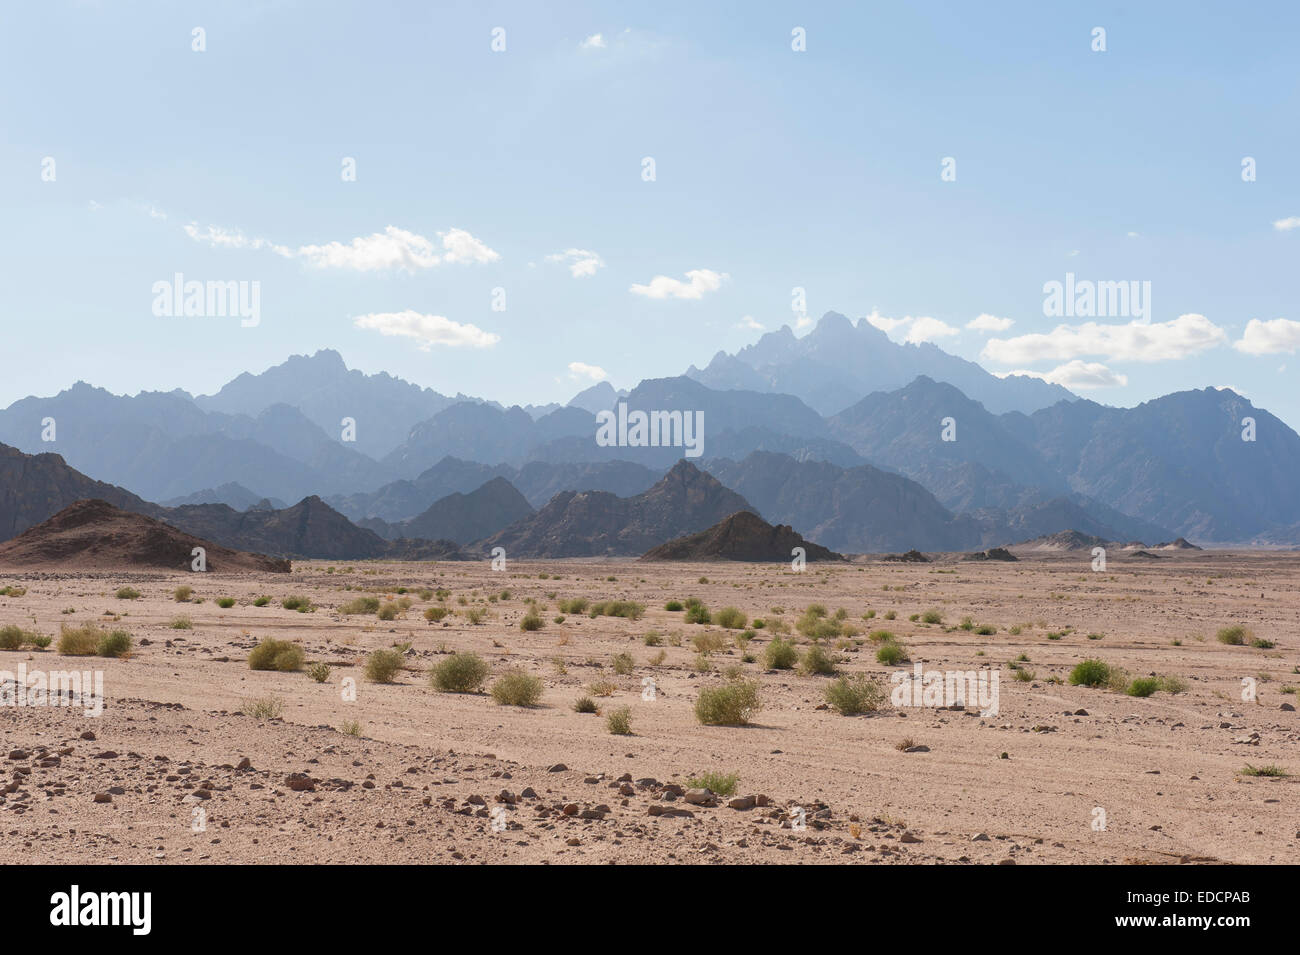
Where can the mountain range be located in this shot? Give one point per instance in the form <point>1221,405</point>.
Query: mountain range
<point>858,443</point>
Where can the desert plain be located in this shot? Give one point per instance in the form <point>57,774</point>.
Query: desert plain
<point>189,762</point>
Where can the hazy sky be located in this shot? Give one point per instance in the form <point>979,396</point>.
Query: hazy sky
<point>524,170</point>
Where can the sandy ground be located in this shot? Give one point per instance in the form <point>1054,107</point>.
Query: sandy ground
<point>423,780</point>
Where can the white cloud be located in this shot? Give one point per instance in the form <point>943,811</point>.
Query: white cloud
<point>393,248</point>
<point>580,369</point>
<point>985,322</point>
<point>699,281</point>
<point>926,329</point>
<point>1287,224</point>
<point>1159,341</point>
<point>428,330</point>
<point>1269,338</point>
<point>750,323</point>
<point>886,324</point>
<point>1076,375</point>
<point>593,42</point>
<point>581,262</point>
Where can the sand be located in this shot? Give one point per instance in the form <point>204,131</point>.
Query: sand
<point>422,780</point>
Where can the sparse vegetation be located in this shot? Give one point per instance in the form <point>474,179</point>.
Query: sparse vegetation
<point>1233,636</point>
<point>1090,672</point>
<point>851,695</point>
<point>780,654</point>
<point>623,664</point>
<point>225,603</point>
<point>383,665</point>
<point>127,593</point>
<point>584,704</point>
<point>732,704</point>
<point>891,653</point>
<point>182,594</point>
<point>619,721</point>
<point>720,784</point>
<point>817,662</point>
<point>360,605</point>
<point>320,672</point>
<point>460,673</point>
<point>531,621</point>
<point>79,641</point>
<point>296,602</point>
<point>272,654</point>
<point>115,643</point>
<point>263,708</point>
<point>517,688</point>
<point>730,618</point>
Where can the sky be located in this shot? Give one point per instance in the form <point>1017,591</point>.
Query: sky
<point>514,202</point>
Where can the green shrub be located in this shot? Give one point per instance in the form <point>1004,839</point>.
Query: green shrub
<point>182,594</point>
<point>891,653</point>
<point>1090,672</point>
<point>817,662</point>
<point>182,623</point>
<point>629,609</point>
<point>573,605</point>
<point>263,708</point>
<point>41,640</point>
<point>272,654</point>
<point>1259,643</point>
<point>11,637</point>
<point>1233,636</point>
<point>360,605</point>
<point>619,721</point>
<point>225,603</point>
<point>708,642</point>
<point>584,704</point>
<point>296,602</point>
<point>1173,684</point>
<point>730,618</point>
<point>320,672</point>
<point>673,605</point>
<point>261,601</point>
<point>114,644</point>
<point>720,784</point>
<point>475,615</point>
<point>435,614</point>
<point>780,655</point>
<point>79,641</point>
<point>531,621</point>
<point>127,593</point>
<point>697,613</point>
<point>932,616</point>
<point>460,673</point>
<point>517,688</point>
<point>851,695</point>
<point>383,665</point>
<point>732,704</point>
<point>1143,686</point>
<point>387,611</point>
<point>623,663</point>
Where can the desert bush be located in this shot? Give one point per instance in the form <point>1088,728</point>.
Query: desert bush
<point>731,704</point>
<point>623,663</point>
<point>584,704</point>
<point>182,594</point>
<point>127,593</point>
<point>817,662</point>
<point>475,615</point>
<point>851,695</point>
<point>320,672</point>
<point>272,654</point>
<point>720,784</point>
<point>116,643</point>
<point>1173,684</point>
<point>225,603</point>
<point>351,728</point>
<point>1233,636</point>
<point>12,591</point>
<point>932,616</point>
<point>707,643</point>
<point>79,641</point>
<point>602,688</point>
<point>619,721</point>
<point>1090,672</point>
<point>730,618</point>
<point>296,602</point>
<point>891,653</point>
<point>573,605</point>
<point>1143,686</point>
<point>673,605</point>
<point>531,621</point>
<point>383,665</point>
<point>261,601</point>
<point>435,614</point>
<point>697,613</point>
<point>40,640</point>
<point>652,639</point>
<point>263,708</point>
<point>11,637</point>
<point>360,605</point>
<point>181,623</point>
<point>780,654</point>
<point>460,673</point>
<point>629,609</point>
<point>388,611</point>
<point>517,688</point>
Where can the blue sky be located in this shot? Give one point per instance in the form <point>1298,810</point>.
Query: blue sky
<point>774,169</point>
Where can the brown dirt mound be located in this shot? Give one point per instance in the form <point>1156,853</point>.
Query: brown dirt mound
<point>95,535</point>
<point>742,536</point>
